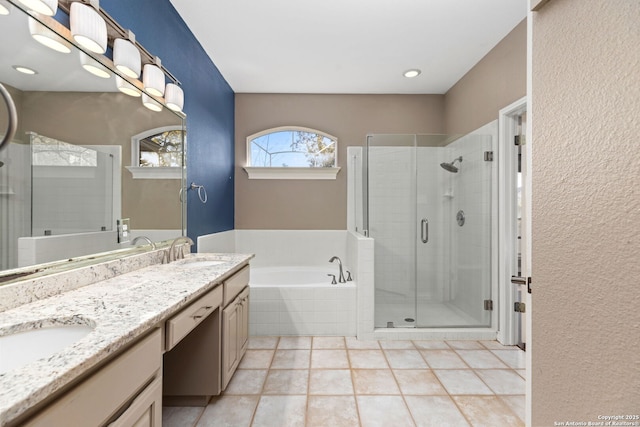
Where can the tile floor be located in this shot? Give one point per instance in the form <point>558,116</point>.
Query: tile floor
<point>337,381</point>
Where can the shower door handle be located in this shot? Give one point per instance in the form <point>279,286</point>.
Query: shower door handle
<point>424,230</point>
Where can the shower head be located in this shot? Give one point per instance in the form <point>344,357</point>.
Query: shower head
<point>451,166</point>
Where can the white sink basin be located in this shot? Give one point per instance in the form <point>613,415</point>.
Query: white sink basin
<point>21,348</point>
<point>198,263</point>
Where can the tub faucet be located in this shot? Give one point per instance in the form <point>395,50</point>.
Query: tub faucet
<point>148,240</point>
<point>341,278</point>
<point>172,255</point>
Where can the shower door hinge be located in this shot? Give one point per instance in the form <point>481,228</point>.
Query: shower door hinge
<point>519,140</point>
<point>519,307</point>
<point>488,156</point>
<point>488,305</point>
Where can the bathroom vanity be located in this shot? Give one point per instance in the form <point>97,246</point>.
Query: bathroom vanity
<point>163,334</point>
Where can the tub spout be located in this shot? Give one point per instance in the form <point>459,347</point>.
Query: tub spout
<point>341,278</point>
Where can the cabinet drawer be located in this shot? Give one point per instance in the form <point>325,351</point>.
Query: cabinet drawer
<point>99,397</point>
<point>182,323</point>
<point>234,284</point>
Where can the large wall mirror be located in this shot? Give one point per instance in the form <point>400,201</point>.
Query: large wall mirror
<point>67,187</point>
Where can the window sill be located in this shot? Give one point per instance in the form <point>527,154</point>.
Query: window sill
<point>155,173</point>
<point>291,173</point>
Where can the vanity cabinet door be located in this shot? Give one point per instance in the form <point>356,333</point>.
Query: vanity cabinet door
<point>230,350</point>
<point>145,410</point>
<point>243,320</point>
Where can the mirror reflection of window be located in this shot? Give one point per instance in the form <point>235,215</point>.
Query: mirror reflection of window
<point>162,149</point>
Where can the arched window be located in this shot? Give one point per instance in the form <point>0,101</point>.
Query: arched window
<point>292,152</point>
<point>158,153</point>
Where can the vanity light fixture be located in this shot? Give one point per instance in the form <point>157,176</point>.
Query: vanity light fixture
<point>153,78</point>
<point>24,70</point>
<point>126,56</point>
<point>47,37</point>
<point>127,88</point>
<point>151,103</point>
<point>87,26</point>
<point>45,7</point>
<point>412,73</point>
<point>174,97</point>
<point>93,66</point>
<point>5,7</point>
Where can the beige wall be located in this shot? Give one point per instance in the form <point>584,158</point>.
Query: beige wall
<point>79,118</point>
<point>296,204</point>
<point>493,83</point>
<point>586,210</point>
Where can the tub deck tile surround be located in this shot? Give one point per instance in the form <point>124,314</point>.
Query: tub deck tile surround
<point>328,394</point>
<point>122,308</point>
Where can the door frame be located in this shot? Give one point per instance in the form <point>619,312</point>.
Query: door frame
<point>507,125</point>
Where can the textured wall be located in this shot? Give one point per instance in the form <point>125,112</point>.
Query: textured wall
<point>209,106</point>
<point>586,210</point>
<point>494,82</point>
<point>312,204</point>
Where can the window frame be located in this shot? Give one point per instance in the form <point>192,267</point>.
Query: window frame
<point>160,172</point>
<point>279,172</point>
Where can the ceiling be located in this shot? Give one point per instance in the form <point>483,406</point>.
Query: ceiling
<point>348,46</point>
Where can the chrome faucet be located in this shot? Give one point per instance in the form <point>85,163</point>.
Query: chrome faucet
<point>134,241</point>
<point>172,255</point>
<point>341,278</point>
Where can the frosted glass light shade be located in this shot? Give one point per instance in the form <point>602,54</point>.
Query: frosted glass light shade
<point>5,7</point>
<point>93,66</point>
<point>151,103</point>
<point>126,58</point>
<point>127,88</point>
<point>174,97</point>
<point>47,37</point>
<point>45,7</point>
<point>153,80</point>
<point>88,28</point>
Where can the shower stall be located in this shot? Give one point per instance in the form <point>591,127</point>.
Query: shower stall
<point>427,203</point>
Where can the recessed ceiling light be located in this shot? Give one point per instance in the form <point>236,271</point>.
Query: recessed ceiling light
<point>412,73</point>
<point>24,70</point>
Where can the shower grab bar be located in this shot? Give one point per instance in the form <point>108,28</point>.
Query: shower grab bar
<point>12,124</point>
<point>424,230</point>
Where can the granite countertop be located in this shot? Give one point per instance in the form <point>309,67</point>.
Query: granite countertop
<point>121,309</point>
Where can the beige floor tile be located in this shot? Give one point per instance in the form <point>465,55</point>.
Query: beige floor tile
<point>465,345</point>
<point>287,381</point>
<point>429,411</point>
<point>487,411</point>
<point>418,382</point>
<point>262,343</point>
<point>431,345</point>
<point>356,344</point>
<point>329,342</point>
<point>405,359</point>
<point>516,404</point>
<point>374,381</point>
<point>294,343</point>
<point>332,359</point>
<point>256,359</point>
<point>443,359</point>
<point>367,359</point>
<point>180,416</point>
<point>397,345</point>
<point>332,411</point>
<point>281,411</point>
<point>330,381</point>
<point>502,381</point>
<point>481,359</point>
<point>246,381</point>
<point>462,382</point>
<point>516,359</point>
<point>383,411</point>
<point>495,345</point>
<point>228,411</point>
<point>291,359</point>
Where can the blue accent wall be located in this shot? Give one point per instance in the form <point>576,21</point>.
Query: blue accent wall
<point>209,105</point>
